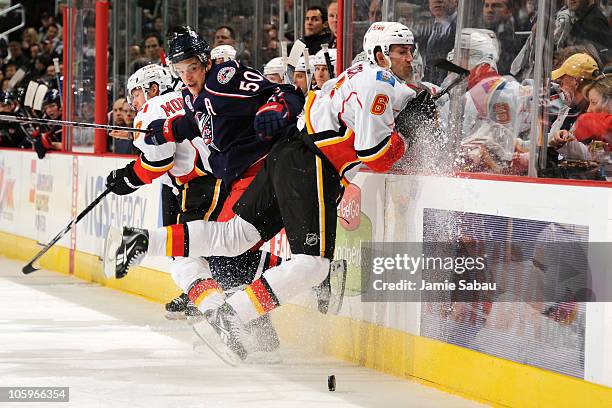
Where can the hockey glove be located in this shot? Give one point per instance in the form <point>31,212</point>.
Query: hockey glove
<point>419,110</point>
<point>269,119</point>
<point>42,143</point>
<point>175,129</point>
<point>123,181</point>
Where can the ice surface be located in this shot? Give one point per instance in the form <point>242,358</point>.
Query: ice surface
<point>117,350</point>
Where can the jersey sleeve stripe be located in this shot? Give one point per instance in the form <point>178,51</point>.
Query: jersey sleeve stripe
<point>309,101</point>
<point>228,95</point>
<point>374,152</point>
<point>215,200</point>
<point>335,140</point>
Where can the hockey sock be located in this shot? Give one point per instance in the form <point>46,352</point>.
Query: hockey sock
<point>206,294</point>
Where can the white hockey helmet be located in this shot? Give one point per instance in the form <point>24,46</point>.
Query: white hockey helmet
<point>482,47</point>
<point>301,65</point>
<point>274,66</point>
<point>384,34</point>
<point>147,76</point>
<point>226,52</point>
<point>320,57</point>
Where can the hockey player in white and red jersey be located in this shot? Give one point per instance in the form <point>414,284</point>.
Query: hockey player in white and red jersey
<point>350,122</point>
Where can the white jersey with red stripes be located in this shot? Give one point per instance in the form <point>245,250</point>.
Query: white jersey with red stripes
<point>352,118</point>
<point>182,161</point>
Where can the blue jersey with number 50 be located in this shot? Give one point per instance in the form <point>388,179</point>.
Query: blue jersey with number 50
<point>225,111</point>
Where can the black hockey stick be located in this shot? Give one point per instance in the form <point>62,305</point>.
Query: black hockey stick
<point>41,121</point>
<point>29,268</point>
<point>450,67</point>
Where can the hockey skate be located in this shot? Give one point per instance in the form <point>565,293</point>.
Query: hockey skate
<point>330,293</point>
<point>175,309</point>
<point>226,336</point>
<point>122,251</point>
<point>193,314</point>
<point>267,347</point>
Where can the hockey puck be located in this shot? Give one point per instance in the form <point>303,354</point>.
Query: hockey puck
<point>331,382</point>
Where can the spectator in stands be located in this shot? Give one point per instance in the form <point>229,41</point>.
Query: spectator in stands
<point>374,11</point>
<point>49,50</point>
<point>289,23</point>
<point>315,29</point>
<point>525,16</point>
<point>120,141</point>
<point>576,73</point>
<point>153,47</point>
<point>332,22</point>
<point>28,39</point>
<point>224,35</point>
<point>17,57</point>
<point>9,70</point>
<point>46,20</point>
<point>442,37</point>
<point>596,123</point>
<point>53,34</point>
<point>49,137</point>
<point>497,16</point>
<point>589,25</point>
<point>35,51</point>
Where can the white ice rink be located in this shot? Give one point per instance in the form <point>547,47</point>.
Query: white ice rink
<point>117,350</point>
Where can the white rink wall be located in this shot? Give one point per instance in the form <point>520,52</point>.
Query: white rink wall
<point>39,197</point>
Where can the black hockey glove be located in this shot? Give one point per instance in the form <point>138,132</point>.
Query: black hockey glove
<point>419,110</point>
<point>123,181</point>
<point>175,129</point>
<point>270,119</point>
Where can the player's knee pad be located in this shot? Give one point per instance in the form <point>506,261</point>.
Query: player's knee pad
<point>185,271</point>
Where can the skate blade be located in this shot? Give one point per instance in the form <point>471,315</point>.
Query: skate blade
<point>209,336</point>
<point>111,245</point>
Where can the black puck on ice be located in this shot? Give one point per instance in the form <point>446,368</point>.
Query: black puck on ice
<point>331,382</point>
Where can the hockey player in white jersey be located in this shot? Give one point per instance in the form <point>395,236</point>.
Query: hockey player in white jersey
<point>350,122</point>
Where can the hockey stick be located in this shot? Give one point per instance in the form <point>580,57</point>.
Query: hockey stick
<point>308,72</point>
<point>330,67</point>
<point>450,67</point>
<point>42,121</point>
<point>294,58</point>
<point>29,268</point>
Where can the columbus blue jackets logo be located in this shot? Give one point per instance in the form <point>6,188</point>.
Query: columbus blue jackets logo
<point>225,74</point>
<point>206,127</point>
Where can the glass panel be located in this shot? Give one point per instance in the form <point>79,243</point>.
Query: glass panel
<point>83,49</point>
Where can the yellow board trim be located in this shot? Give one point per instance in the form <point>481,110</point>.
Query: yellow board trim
<point>453,369</point>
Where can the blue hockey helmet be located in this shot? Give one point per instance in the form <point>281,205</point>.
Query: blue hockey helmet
<point>186,43</point>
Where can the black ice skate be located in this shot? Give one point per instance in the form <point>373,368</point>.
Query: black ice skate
<point>226,335</point>
<point>122,251</point>
<point>176,308</point>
